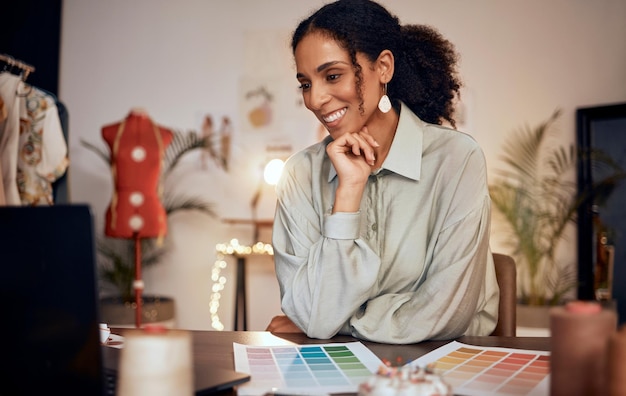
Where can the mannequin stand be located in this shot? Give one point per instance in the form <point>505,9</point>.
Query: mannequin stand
<point>138,283</point>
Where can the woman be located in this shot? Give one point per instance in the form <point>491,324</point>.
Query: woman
<point>382,229</point>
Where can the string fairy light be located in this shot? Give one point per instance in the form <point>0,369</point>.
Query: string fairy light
<point>233,248</point>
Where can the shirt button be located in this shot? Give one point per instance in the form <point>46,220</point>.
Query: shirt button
<point>374,226</point>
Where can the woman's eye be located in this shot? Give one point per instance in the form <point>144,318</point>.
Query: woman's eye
<point>332,77</point>
<point>304,86</point>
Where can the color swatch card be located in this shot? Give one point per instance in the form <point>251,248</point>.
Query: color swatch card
<point>484,371</point>
<point>304,369</point>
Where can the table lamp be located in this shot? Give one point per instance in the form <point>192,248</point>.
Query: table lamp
<point>271,174</point>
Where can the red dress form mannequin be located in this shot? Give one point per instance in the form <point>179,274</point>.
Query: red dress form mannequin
<point>137,147</point>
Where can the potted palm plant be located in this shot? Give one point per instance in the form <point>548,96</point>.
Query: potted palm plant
<point>537,197</point>
<point>116,257</point>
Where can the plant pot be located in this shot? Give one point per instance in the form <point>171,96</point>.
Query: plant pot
<point>155,310</point>
<point>533,316</point>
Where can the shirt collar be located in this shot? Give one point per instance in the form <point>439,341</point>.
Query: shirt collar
<point>405,154</point>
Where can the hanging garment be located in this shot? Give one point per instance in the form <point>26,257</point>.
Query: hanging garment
<point>3,200</point>
<point>60,188</point>
<point>42,150</point>
<point>9,135</point>
<point>3,116</point>
<point>3,110</point>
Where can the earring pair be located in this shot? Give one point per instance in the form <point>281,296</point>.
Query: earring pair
<point>384,104</point>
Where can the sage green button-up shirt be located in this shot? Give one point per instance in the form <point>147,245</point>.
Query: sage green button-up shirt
<point>413,264</point>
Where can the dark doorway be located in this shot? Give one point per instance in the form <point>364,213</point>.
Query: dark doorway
<point>602,223</point>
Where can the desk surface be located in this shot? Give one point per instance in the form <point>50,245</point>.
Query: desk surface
<point>215,348</point>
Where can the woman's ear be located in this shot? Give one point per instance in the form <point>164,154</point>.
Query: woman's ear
<point>385,65</point>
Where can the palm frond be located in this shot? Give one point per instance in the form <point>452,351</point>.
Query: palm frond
<point>174,204</point>
<point>522,152</point>
<point>104,155</point>
<point>559,282</point>
<point>182,143</point>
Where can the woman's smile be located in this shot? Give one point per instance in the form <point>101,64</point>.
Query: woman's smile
<point>334,116</point>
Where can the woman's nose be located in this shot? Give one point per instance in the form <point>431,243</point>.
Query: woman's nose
<point>318,97</point>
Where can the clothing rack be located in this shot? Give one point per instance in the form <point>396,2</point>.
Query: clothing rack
<point>12,62</point>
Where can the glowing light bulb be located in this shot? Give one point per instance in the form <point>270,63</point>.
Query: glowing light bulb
<point>272,171</point>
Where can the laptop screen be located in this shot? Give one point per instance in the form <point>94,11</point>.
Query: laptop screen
<point>49,324</point>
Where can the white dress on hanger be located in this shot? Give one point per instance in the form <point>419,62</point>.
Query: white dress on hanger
<point>9,136</point>
<point>42,150</point>
<point>3,116</point>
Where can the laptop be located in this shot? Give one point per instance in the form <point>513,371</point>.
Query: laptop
<point>50,319</point>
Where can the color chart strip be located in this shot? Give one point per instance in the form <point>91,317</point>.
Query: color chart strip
<point>482,371</point>
<point>325,368</point>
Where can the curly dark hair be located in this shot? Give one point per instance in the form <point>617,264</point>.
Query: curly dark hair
<point>425,78</point>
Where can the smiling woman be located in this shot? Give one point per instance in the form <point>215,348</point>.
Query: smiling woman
<point>382,229</point>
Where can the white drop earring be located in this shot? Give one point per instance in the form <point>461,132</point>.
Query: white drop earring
<point>384,104</point>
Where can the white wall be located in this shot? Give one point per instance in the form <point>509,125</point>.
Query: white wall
<point>183,59</point>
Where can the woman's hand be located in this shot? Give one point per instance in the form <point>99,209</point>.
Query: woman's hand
<point>282,324</point>
<point>353,156</point>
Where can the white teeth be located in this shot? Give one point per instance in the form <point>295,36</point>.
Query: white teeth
<point>336,115</point>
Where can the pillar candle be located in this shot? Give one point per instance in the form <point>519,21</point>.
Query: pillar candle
<point>156,362</point>
<point>616,369</point>
<point>579,335</point>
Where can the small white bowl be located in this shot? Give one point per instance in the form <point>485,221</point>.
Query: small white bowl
<point>105,332</point>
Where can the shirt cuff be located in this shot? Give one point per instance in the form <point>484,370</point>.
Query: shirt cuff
<point>342,225</point>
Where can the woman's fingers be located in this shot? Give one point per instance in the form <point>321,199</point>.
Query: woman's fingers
<point>369,138</point>
<point>359,144</point>
<point>369,145</point>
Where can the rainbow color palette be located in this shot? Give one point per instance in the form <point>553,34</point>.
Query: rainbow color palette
<point>325,368</point>
<point>483,371</point>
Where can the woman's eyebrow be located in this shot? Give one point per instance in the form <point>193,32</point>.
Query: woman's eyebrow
<point>322,67</point>
<point>326,65</point>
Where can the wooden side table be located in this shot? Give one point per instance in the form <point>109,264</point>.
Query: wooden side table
<point>240,321</point>
<point>241,254</point>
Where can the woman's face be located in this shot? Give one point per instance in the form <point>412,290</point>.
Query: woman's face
<point>328,84</point>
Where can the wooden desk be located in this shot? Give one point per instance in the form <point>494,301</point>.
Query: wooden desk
<point>215,348</point>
